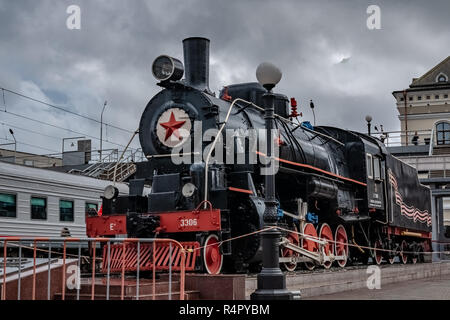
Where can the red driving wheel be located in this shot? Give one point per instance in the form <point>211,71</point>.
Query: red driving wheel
<point>378,253</point>
<point>341,245</point>
<point>326,234</point>
<point>212,257</point>
<point>285,252</point>
<point>308,244</point>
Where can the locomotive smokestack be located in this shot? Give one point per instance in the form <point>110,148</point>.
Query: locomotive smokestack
<point>196,62</point>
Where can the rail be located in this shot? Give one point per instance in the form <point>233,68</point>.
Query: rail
<point>18,270</point>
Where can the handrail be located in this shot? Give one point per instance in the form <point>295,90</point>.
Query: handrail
<point>21,242</point>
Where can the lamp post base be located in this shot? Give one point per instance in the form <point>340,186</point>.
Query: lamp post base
<point>271,286</point>
<point>271,280</point>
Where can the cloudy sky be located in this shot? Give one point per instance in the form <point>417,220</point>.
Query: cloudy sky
<point>324,48</point>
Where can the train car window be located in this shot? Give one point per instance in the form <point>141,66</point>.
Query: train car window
<point>376,168</point>
<point>38,208</point>
<point>66,210</point>
<point>8,206</point>
<point>91,207</point>
<point>369,166</point>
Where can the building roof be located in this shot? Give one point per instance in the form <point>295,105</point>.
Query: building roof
<point>429,78</point>
<point>428,81</point>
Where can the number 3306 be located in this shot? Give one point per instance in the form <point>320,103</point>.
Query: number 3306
<point>188,222</point>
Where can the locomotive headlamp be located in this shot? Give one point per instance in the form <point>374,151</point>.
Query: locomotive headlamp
<point>167,68</point>
<point>110,192</point>
<point>268,75</point>
<point>188,190</point>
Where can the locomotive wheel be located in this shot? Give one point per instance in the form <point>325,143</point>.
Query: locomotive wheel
<point>420,255</point>
<point>212,258</point>
<point>391,256</point>
<point>326,234</point>
<point>378,254</point>
<point>285,252</point>
<point>417,255</point>
<point>403,255</point>
<point>310,245</point>
<point>391,259</point>
<point>341,245</point>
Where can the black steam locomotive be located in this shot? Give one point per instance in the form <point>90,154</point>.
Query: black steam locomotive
<point>341,196</point>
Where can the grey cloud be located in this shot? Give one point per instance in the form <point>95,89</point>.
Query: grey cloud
<point>109,58</point>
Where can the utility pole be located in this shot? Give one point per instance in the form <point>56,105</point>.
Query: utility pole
<point>101,130</point>
<point>406,116</point>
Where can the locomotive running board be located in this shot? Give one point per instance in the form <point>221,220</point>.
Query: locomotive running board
<point>166,257</point>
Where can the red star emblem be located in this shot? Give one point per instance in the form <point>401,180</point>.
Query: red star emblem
<point>172,127</point>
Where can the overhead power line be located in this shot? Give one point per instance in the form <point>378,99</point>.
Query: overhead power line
<point>62,128</point>
<point>59,108</point>
<point>29,145</point>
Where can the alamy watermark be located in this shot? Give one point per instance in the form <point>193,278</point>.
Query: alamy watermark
<point>374,279</point>
<point>73,277</point>
<point>374,20</point>
<point>233,146</point>
<point>73,21</point>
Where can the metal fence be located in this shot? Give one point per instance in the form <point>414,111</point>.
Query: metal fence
<point>403,138</point>
<point>41,263</point>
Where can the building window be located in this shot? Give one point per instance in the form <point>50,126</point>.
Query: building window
<point>8,206</point>
<point>445,96</point>
<point>442,78</point>
<point>419,98</point>
<point>436,96</point>
<point>38,208</point>
<point>443,133</point>
<point>410,98</point>
<point>402,99</point>
<point>428,97</point>
<point>91,208</point>
<point>66,210</point>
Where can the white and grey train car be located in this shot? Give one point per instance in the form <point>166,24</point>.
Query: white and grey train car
<point>38,202</point>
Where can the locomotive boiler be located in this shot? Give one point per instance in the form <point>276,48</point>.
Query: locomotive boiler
<point>341,196</point>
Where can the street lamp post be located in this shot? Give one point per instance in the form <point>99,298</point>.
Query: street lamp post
<point>101,130</point>
<point>15,144</point>
<point>271,282</point>
<point>368,119</point>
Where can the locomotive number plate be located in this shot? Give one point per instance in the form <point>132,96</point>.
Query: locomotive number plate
<point>188,223</point>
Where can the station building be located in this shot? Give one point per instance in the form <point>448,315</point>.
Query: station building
<point>424,139</point>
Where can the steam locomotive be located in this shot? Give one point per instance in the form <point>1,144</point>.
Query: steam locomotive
<point>341,196</point>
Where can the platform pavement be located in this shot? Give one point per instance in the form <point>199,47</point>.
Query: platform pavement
<point>436,288</point>
<point>325,282</point>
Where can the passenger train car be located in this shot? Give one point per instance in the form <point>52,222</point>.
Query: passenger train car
<point>37,202</point>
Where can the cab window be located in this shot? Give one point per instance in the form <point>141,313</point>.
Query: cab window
<point>369,166</point>
<point>376,168</point>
